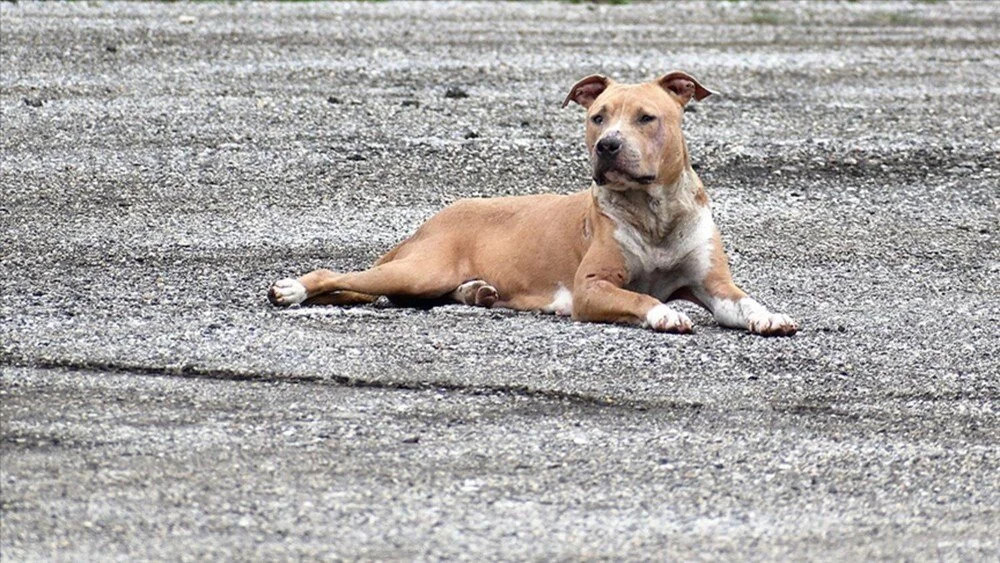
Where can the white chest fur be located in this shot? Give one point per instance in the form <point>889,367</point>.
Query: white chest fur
<point>666,245</point>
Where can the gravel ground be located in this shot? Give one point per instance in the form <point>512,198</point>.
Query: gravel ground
<point>163,163</point>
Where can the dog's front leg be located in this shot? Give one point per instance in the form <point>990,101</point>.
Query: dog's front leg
<point>599,296</point>
<point>731,306</point>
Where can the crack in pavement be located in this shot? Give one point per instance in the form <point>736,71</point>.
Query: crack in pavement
<point>189,371</point>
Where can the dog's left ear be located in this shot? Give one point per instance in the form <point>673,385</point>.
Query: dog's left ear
<point>684,86</point>
<point>586,90</point>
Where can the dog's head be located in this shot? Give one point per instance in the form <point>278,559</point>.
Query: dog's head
<point>634,130</point>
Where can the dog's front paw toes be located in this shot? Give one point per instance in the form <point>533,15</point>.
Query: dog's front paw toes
<point>772,324</point>
<point>664,319</point>
<point>287,292</point>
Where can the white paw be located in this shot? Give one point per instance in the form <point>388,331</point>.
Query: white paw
<point>287,292</point>
<point>772,324</point>
<point>665,319</point>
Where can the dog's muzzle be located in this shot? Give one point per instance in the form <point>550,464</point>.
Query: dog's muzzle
<point>608,151</point>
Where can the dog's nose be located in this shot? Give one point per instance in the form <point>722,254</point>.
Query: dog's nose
<point>608,146</point>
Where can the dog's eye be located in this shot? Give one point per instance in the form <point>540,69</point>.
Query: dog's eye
<point>597,120</point>
<point>646,118</point>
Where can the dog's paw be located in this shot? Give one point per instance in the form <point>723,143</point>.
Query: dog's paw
<point>664,319</point>
<point>486,296</point>
<point>476,292</point>
<point>772,324</point>
<point>287,292</point>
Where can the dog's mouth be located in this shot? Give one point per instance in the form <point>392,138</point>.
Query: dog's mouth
<point>615,176</point>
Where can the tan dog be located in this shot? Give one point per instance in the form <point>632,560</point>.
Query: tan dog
<point>641,235</point>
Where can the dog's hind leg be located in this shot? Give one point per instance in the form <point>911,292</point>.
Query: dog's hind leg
<point>409,278</point>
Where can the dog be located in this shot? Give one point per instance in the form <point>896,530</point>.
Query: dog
<point>640,236</point>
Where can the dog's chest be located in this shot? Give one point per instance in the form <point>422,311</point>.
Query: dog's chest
<point>660,268</point>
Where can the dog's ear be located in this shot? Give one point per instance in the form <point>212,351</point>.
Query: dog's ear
<point>586,90</point>
<point>684,86</point>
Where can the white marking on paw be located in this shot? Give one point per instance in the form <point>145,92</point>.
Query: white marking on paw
<point>749,314</point>
<point>770,324</point>
<point>735,314</point>
<point>288,291</point>
<point>663,318</point>
<point>562,302</point>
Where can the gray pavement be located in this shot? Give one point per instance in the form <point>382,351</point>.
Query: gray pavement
<point>163,163</point>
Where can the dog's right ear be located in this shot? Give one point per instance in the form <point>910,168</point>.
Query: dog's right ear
<point>586,90</point>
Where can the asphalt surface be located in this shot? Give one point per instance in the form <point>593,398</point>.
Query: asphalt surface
<point>162,164</point>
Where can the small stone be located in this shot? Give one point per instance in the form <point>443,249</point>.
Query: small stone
<point>333,100</point>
